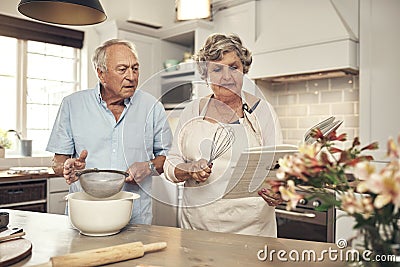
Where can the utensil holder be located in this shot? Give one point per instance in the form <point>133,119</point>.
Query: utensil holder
<point>26,147</point>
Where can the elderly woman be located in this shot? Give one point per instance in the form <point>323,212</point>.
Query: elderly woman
<point>222,63</point>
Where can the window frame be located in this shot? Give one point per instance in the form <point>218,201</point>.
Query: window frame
<point>24,31</point>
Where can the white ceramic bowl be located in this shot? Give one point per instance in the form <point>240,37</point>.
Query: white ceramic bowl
<point>100,217</point>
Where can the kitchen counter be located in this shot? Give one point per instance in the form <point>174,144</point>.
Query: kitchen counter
<point>7,177</point>
<point>53,235</point>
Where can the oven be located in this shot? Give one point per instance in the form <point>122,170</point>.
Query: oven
<point>306,223</point>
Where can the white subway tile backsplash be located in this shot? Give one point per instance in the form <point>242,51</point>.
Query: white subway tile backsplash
<point>350,95</point>
<point>346,82</point>
<point>6,163</point>
<point>308,98</point>
<point>307,122</point>
<point>319,109</point>
<point>351,121</point>
<point>287,99</point>
<point>343,108</point>
<point>297,87</point>
<point>296,110</point>
<point>301,105</point>
<point>288,122</point>
<point>281,87</point>
<point>281,111</point>
<point>331,96</point>
<point>296,135</point>
<point>317,85</point>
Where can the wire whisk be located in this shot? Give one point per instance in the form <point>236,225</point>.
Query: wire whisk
<point>222,142</point>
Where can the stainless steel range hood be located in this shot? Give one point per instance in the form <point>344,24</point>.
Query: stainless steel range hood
<point>305,37</point>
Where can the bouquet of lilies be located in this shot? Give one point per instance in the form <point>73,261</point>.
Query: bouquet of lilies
<point>323,169</point>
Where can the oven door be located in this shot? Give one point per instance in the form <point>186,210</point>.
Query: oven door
<point>305,224</point>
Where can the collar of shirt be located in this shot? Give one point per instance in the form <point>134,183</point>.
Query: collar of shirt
<point>127,101</point>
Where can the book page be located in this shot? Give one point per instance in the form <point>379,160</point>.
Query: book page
<point>252,171</point>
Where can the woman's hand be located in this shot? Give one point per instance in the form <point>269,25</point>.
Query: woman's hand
<point>71,165</point>
<point>273,199</point>
<point>196,170</point>
<point>199,170</point>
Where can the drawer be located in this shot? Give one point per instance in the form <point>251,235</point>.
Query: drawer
<point>22,192</point>
<point>57,184</point>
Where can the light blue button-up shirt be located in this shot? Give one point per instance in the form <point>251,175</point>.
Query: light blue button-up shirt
<point>141,133</point>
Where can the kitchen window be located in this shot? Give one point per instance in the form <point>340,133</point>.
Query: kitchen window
<point>35,74</point>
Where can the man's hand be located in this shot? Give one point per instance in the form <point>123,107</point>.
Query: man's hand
<point>137,172</point>
<point>71,165</point>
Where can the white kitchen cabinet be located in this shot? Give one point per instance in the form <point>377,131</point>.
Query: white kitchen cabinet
<point>189,34</point>
<point>165,196</point>
<point>240,19</point>
<point>148,49</point>
<point>379,72</point>
<point>57,189</point>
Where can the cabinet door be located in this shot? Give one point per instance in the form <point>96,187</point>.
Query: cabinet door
<point>57,190</point>
<point>57,184</point>
<point>56,203</point>
<point>148,49</point>
<point>239,19</point>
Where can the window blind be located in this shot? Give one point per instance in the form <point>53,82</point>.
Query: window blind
<point>35,31</point>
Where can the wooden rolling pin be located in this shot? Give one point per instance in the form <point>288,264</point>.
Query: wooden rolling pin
<point>101,256</point>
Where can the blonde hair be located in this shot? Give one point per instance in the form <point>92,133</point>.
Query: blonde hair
<point>99,58</point>
<point>216,46</point>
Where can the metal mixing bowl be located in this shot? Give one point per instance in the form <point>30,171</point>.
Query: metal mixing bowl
<point>102,183</point>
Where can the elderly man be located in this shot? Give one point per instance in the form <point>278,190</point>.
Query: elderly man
<point>113,126</point>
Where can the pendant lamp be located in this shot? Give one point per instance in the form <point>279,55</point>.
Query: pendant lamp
<point>193,9</point>
<point>65,12</point>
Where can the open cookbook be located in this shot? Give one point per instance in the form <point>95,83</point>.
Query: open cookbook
<point>256,164</point>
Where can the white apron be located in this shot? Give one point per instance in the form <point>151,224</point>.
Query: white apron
<point>203,205</point>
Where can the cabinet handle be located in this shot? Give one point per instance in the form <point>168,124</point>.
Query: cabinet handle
<point>15,191</point>
<point>297,214</point>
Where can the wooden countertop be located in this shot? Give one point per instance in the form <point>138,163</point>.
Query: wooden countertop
<point>7,177</point>
<point>53,235</point>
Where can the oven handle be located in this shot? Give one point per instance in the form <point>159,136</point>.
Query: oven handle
<point>297,214</point>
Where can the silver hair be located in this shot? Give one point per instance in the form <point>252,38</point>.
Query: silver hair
<point>99,58</point>
<point>216,46</point>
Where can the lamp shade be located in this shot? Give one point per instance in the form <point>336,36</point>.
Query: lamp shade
<point>193,9</point>
<point>66,12</point>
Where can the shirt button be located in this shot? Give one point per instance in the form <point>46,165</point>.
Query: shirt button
<point>114,150</point>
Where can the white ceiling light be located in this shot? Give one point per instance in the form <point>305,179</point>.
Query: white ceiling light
<point>193,9</point>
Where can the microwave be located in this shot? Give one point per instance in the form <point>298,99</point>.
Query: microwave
<point>177,86</point>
